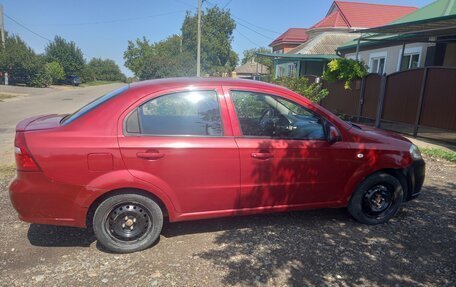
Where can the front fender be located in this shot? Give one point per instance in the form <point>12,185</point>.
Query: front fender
<point>375,161</point>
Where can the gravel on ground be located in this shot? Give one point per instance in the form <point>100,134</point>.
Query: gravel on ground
<point>320,247</point>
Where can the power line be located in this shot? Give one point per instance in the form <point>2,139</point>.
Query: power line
<point>26,28</point>
<point>261,34</point>
<point>247,38</point>
<point>227,3</point>
<point>237,22</point>
<point>118,20</point>
<point>256,26</point>
<point>36,34</point>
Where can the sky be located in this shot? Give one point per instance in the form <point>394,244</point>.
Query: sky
<point>102,28</point>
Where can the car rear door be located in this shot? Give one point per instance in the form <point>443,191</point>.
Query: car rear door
<point>284,170</point>
<point>181,142</point>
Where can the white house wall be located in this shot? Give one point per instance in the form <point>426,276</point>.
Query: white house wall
<point>392,55</point>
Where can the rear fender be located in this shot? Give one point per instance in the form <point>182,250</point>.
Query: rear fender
<point>121,179</point>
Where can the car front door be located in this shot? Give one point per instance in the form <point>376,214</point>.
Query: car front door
<point>181,143</point>
<point>286,158</point>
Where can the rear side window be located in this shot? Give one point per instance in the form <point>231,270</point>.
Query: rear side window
<point>195,113</point>
<point>92,105</point>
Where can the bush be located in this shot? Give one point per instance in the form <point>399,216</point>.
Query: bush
<point>346,70</point>
<point>102,70</point>
<point>313,92</point>
<point>42,79</point>
<point>55,71</point>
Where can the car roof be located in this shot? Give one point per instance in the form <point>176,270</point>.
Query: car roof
<point>159,84</point>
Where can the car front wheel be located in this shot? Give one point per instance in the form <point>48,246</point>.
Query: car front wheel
<point>377,199</point>
<point>127,222</point>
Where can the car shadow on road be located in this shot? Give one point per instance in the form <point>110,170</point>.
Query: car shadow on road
<point>317,247</point>
<point>59,236</point>
<point>226,224</point>
<point>326,247</point>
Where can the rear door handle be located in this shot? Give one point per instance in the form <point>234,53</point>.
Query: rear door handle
<point>262,155</point>
<point>150,155</point>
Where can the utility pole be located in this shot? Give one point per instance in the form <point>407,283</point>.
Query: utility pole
<point>2,27</point>
<point>198,49</point>
<point>2,35</point>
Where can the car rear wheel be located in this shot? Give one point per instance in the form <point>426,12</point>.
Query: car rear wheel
<point>127,222</point>
<point>377,199</point>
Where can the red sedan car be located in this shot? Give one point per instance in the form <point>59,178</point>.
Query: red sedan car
<point>189,149</point>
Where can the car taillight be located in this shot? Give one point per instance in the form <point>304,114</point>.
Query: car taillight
<point>24,160</point>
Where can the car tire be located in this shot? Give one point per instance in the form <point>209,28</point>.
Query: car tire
<point>377,199</point>
<point>127,223</point>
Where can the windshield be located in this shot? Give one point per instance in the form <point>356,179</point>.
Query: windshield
<point>92,105</point>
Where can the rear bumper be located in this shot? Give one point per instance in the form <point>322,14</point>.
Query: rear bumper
<point>38,199</point>
<point>415,174</point>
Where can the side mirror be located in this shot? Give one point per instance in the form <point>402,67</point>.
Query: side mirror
<point>333,134</point>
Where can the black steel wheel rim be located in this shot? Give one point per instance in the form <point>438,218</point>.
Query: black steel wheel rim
<point>377,200</point>
<point>129,221</point>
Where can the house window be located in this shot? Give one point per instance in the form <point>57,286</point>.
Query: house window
<point>410,60</point>
<point>377,65</point>
<point>291,69</point>
<point>279,51</point>
<point>280,71</point>
<point>377,62</point>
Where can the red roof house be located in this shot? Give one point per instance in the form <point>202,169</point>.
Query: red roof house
<point>290,39</point>
<point>367,15</point>
<point>344,16</point>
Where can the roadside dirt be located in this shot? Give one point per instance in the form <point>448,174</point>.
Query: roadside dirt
<point>321,247</point>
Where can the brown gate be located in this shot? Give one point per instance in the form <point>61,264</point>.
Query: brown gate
<point>410,101</point>
<point>349,104</point>
<point>370,96</point>
<point>439,100</point>
<point>402,96</point>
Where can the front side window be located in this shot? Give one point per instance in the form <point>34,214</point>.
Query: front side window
<point>195,113</point>
<point>262,115</point>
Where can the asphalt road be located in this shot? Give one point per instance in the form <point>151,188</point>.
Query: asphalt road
<point>27,102</point>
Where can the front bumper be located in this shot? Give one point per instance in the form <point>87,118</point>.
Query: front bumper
<point>415,175</point>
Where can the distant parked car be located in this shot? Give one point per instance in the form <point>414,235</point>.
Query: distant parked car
<point>73,80</point>
<point>190,149</point>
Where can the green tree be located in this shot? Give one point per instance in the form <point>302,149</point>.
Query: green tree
<point>55,71</point>
<point>67,54</point>
<point>346,70</point>
<point>159,60</point>
<point>217,28</point>
<point>136,54</point>
<point>21,63</point>
<point>102,70</point>
<point>176,55</point>
<point>313,92</point>
<point>251,54</point>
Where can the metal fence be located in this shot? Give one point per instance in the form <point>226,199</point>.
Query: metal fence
<point>418,102</point>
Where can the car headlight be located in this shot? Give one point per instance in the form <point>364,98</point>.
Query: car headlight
<point>415,152</point>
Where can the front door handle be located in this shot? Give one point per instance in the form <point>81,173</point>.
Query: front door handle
<point>262,155</point>
<point>150,155</point>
